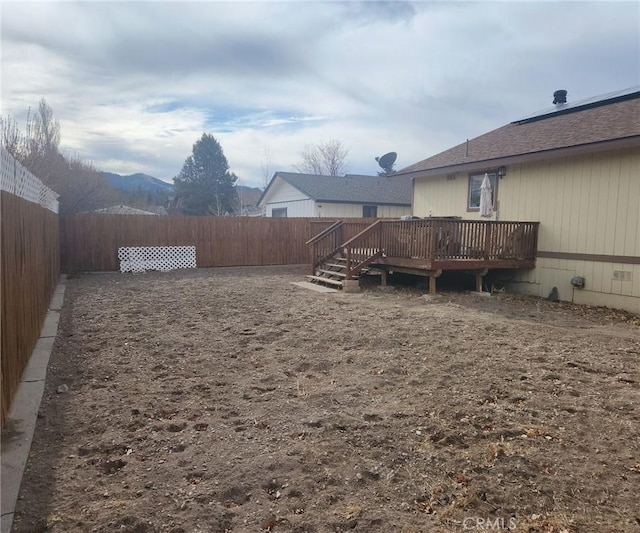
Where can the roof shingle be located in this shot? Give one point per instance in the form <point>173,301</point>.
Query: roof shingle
<point>605,122</point>
<point>352,188</point>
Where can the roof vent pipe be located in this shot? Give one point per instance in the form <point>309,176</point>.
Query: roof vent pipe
<point>560,97</point>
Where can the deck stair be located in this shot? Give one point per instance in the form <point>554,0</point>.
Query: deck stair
<point>332,273</point>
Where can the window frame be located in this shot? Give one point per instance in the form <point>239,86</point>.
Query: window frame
<point>493,177</point>
<point>281,210</point>
<point>370,207</point>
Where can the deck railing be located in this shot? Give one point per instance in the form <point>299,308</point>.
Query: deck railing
<point>362,249</point>
<point>437,239</point>
<point>430,239</point>
<point>330,240</point>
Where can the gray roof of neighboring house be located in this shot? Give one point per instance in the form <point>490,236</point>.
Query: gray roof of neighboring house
<point>352,188</point>
<point>123,210</point>
<point>609,118</point>
<point>157,209</point>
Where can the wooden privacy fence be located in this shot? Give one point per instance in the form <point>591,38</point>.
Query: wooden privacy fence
<point>30,268</point>
<point>90,242</point>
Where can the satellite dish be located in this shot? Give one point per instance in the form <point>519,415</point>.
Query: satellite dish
<point>387,161</point>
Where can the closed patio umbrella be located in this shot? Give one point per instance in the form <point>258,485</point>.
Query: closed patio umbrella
<point>486,203</point>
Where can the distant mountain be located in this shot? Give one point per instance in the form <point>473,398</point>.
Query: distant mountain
<point>139,182</point>
<point>144,190</point>
<point>248,195</point>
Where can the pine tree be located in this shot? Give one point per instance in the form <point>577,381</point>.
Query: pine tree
<point>205,186</point>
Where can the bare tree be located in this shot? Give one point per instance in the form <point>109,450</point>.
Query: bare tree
<point>81,187</point>
<point>38,147</point>
<point>46,130</point>
<point>326,159</point>
<point>265,165</point>
<point>12,138</point>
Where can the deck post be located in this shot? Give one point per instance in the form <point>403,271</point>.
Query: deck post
<point>383,278</point>
<point>348,261</point>
<point>479,276</point>
<point>351,285</point>
<point>433,275</point>
<point>432,284</point>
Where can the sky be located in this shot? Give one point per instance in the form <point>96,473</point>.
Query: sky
<point>135,84</point>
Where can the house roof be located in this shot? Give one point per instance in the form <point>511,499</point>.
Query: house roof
<point>352,188</point>
<point>157,209</point>
<point>122,210</point>
<point>610,118</point>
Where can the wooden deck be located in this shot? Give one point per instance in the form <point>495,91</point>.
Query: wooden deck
<point>427,247</point>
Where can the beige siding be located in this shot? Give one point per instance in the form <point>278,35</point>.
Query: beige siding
<point>588,204</point>
<point>601,288</point>
<point>442,197</point>
<point>329,210</point>
<point>585,204</point>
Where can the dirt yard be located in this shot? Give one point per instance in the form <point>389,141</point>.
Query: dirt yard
<point>232,400</point>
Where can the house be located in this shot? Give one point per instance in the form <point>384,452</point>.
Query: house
<point>157,210</point>
<point>575,169</point>
<point>352,196</point>
<point>126,210</point>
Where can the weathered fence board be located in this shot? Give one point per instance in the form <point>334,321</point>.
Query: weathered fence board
<point>30,262</point>
<point>90,242</point>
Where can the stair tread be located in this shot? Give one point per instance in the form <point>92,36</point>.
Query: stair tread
<point>325,280</point>
<point>334,265</point>
<point>333,273</point>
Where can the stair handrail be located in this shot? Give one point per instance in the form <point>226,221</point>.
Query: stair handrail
<point>320,254</point>
<point>331,228</point>
<point>363,233</point>
<point>347,246</point>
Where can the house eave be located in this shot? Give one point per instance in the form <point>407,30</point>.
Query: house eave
<point>364,202</point>
<point>482,164</point>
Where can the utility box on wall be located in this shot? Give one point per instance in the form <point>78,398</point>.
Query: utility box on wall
<point>578,282</point>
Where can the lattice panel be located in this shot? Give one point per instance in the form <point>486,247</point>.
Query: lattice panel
<point>19,181</point>
<point>163,258</point>
<point>7,171</point>
<point>27,185</point>
<point>48,198</point>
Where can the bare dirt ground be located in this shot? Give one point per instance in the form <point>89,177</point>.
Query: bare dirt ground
<point>232,400</point>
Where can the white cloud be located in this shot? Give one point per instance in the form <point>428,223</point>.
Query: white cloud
<point>134,84</point>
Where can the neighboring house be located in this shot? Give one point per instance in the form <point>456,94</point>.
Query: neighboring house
<point>352,196</point>
<point>157,210</point>
<point>125,210</point>
<point>575,168</point>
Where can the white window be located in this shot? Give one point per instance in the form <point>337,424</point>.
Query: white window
<point>475,182</point>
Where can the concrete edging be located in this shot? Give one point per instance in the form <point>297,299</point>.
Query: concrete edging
<point>24,410</point>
